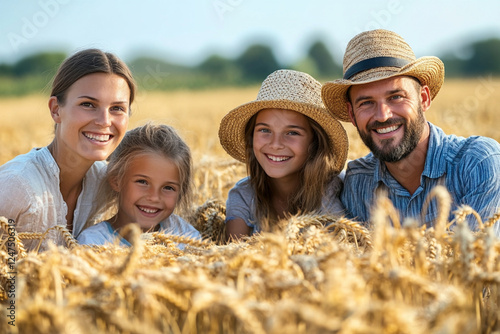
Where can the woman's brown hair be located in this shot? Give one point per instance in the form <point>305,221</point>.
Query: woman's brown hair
<point>86,62</point>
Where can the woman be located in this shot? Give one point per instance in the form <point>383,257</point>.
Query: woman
<point>56,185</point>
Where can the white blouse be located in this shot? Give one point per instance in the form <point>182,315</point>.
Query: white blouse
<point>30,195</point>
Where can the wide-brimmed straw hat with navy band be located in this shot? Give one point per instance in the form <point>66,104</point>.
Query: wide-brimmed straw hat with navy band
<point>376,55</point>
<point>284,89</point>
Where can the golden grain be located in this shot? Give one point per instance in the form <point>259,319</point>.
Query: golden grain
<point>308,274</point>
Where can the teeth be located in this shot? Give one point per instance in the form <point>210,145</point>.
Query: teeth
<point>277,159</point>
<point>101,138</point>
<point>147,210</point>
<point>389,129</point>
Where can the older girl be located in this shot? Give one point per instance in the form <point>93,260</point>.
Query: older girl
<point>293,148</point>
<point>56,185</point>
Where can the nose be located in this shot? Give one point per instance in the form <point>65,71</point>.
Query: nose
<point>276,142</point>
<point>152,194</point>
<point>103,118</point>
<point>383,112</point>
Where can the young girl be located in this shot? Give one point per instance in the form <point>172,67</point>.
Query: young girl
<point>293,148</point>
<point>56,185</point>
<point>148,176</point>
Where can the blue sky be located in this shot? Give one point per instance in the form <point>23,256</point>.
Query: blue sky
<point>186,31</point>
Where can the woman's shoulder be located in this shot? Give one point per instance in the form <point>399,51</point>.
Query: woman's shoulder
<point>35,162</point>
<point>29,175</point>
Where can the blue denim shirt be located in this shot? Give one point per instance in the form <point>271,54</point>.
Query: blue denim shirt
<point>468,167</point>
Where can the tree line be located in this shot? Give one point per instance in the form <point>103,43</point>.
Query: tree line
<point>31,74</point>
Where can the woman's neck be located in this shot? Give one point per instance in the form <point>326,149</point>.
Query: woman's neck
<point>72,168</point>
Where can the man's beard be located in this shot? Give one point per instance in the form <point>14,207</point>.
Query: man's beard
<point>388,152</point>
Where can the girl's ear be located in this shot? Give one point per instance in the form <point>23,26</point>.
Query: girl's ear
<point>54,108</point>
<point>114,184</point>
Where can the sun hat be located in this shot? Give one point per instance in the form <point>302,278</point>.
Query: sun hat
<point>376,55</point>
<point>284,89</point>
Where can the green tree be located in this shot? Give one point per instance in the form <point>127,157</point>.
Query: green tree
<point>257,62</point>
<point>323,60</point>
<point>5,70</point>
<point>220,68</point>
<point>485,58</point>
<point>41,63</point>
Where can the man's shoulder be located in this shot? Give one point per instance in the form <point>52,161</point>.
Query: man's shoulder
<point>477,148</point>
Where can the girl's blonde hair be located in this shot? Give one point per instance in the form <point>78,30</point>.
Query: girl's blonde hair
<point>314,177</point>
<point>149,138</point>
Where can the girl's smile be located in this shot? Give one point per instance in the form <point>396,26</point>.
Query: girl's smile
<point>149,191</point>
<point>281,142</point>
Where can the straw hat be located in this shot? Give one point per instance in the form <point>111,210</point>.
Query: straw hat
<point>376,55</point>
<point>284,89</point>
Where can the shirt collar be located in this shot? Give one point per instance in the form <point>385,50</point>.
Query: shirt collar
<point>437,151</point>
<point>48,160</point>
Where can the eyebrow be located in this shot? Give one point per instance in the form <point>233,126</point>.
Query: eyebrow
<point>288,126</point>
<point>173,182</point>
<point>94,99</point>
<point>147,177</point>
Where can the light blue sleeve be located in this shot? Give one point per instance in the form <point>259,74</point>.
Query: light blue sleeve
<point>98,234</point>
<point>177,226</point>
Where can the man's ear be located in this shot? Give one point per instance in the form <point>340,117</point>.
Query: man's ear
<point>351,113</point>
<point>54,108</point>
<point>425,96</point>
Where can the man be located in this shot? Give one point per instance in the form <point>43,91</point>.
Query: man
<point>385,93</point>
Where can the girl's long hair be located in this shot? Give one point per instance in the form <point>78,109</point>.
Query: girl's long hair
<point>150,138</point>
<point>314,177</point>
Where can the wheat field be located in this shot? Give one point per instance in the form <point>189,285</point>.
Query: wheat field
<point>302,277</point>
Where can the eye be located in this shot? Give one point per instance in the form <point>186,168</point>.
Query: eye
<point>141,181</point>
<point>87,104</point>
<point>365,103</point>
<point>118,109</point>
<point>396,97</point>
<point>293,133</point>
<point>169,188</point>
<point>263,130</point>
